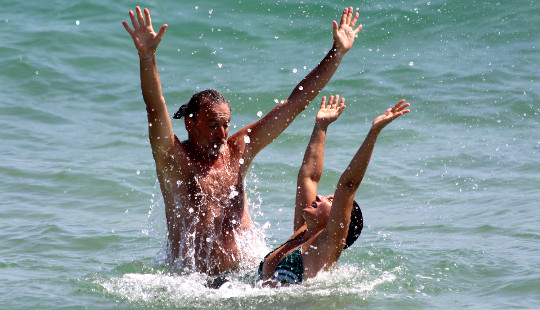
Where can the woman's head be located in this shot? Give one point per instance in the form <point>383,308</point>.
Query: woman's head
<point>355,226</point>
<point>316,216</point>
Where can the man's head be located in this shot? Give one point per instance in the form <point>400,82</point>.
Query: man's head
<point>207,116</point>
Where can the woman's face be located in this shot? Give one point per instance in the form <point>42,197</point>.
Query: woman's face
<point>318,212</point>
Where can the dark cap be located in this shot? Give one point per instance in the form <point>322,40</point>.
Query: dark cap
<point>356,225</point>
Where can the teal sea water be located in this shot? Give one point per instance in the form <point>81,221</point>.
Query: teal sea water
<point>450,200</point>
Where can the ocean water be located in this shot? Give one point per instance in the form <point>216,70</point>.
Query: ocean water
<point>450,199</point>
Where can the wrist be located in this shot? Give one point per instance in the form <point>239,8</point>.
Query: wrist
<point>147,57</point>
<point>321,125</point>
<point>375,131</point>
<point>338,51</point>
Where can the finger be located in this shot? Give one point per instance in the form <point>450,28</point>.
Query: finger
<point>330,101</point>
<point>140,17</point>
<point>161,32</point>
<point>349,15</point>
<point>355,19</point>
<point>323,102</point>
<point>344,16</point>
<point>336,100</point>
<point>127,27</point>
<point>357,30</point>
<point>341,105</point>
<point>147,17</point>
<point>335,27</point>
<point>133,20</point>
<point>403,106</point>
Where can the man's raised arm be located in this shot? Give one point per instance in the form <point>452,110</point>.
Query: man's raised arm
<point>146,41</point>
<point>268,128</point>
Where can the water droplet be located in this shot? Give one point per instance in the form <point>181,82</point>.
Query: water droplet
<point>301,88</point>
<point>275,100</point>
<point>247,139</point>
<point>138,172</point>
<point>259,114</point>
<point>210,11</point>
<point>411,64</point>
<point>220,65</point>
<point>233,193</point>
<point>241,161</point>
<point>294,70</point>
<point>276,37</point>
<point>77,22</point>
<point>191,210</point>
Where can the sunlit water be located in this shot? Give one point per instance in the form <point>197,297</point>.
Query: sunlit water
<point>450,199</point>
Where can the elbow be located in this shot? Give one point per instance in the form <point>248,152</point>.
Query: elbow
<point>350,184</point>
<point>309,176</point>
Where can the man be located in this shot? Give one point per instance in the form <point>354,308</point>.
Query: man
<point>202,178</point>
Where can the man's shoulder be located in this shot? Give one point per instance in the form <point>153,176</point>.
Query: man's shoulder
<point>237,142</point>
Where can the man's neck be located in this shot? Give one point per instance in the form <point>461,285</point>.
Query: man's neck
<point>203,159</point>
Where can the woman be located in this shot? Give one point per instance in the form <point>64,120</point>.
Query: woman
<point>324,225</point>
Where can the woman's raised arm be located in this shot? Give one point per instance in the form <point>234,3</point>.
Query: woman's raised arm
<point>340,214</point>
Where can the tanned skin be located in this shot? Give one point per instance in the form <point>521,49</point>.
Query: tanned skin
<point>202,179</point>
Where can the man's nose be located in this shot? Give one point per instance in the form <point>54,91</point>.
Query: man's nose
<point>222,132</point>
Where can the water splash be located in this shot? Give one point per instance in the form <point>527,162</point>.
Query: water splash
<point>160,289</point>
<point>251,243</point>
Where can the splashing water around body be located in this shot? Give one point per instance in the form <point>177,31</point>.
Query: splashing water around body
<point>250,242</point>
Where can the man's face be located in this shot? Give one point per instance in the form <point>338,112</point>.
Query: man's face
<point>210,129</point>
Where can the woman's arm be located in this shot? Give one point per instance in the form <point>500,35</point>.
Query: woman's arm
<point>312,164</point>
<point>340,214</point>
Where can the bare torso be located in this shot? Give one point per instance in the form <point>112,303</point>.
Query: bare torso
<point>206,208</point>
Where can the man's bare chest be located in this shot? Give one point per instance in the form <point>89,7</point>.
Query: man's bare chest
<point>218,183</point>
